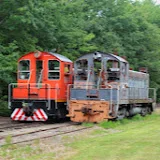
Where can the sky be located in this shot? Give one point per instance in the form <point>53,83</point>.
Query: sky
<point>158,1</point>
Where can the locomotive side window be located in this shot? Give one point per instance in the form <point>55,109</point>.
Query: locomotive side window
<point>113,70</point>
<point>24,69</point>
<point>82,69</point>
<point>53,69</point>
<point>67,68</point>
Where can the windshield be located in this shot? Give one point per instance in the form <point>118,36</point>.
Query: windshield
<point>82,69</point>
<point>53,69</point>
<point>24,69</point>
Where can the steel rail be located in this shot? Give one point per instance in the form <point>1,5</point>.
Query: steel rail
<point>62,133</point>
<point>43,137</point>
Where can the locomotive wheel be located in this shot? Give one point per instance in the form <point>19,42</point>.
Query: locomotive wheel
<point>121,113</point>
<point>144,111</point>
<point>149,110</point>
<point>127,113</point>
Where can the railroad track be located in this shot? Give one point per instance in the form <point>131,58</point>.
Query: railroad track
<point>7,123</point>
<point>42,133</point>
<point>3,119</point>
<point>10,126</point>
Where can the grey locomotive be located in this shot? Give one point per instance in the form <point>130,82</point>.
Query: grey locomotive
<point>105,88</point>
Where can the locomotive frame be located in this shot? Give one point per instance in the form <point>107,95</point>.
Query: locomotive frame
<point>105,88</point>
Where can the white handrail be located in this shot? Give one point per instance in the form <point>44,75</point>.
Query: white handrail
<point>30,75</point>
<point>111,97</point>
<point>88,77</point>
<point>117,105</point>
<point>56,95</point>
<point>68,94</point>
<point>154,93</point>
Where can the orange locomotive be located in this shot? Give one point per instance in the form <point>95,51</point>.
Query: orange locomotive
<point>40,91</point>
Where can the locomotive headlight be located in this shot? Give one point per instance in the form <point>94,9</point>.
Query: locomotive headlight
<point>97,55</point>
<point>37,54</point>
<point>22,76</point>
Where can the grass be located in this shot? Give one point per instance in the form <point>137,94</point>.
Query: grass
<point>8,140</point>
<point>85,124</point>
<point>129,139</point>
<point>136,139</point>
<point>114,124</point>
<point>24,153</point>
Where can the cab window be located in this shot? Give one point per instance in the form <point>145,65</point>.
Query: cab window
<point>24,69</point>
<point>82,69</point>
<point>113,70</point>
<point>53,69</point>
<point>67,68</point>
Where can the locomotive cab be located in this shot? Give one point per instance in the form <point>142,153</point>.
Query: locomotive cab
<point>40,91</point>
<point>99,70</point>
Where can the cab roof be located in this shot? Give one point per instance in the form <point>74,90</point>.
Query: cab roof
<point>58,56</point>
<point>109,56</point>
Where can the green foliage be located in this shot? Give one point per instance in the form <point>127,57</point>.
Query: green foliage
<point>114,124</point>
<point>4,111</point>
<point>88,124</point>
<point>109,124</point>
<point>76,27</point>
<point>8,140</point>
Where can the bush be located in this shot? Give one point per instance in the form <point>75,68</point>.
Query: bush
<point>4,111</point>
<point>138,117</point>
